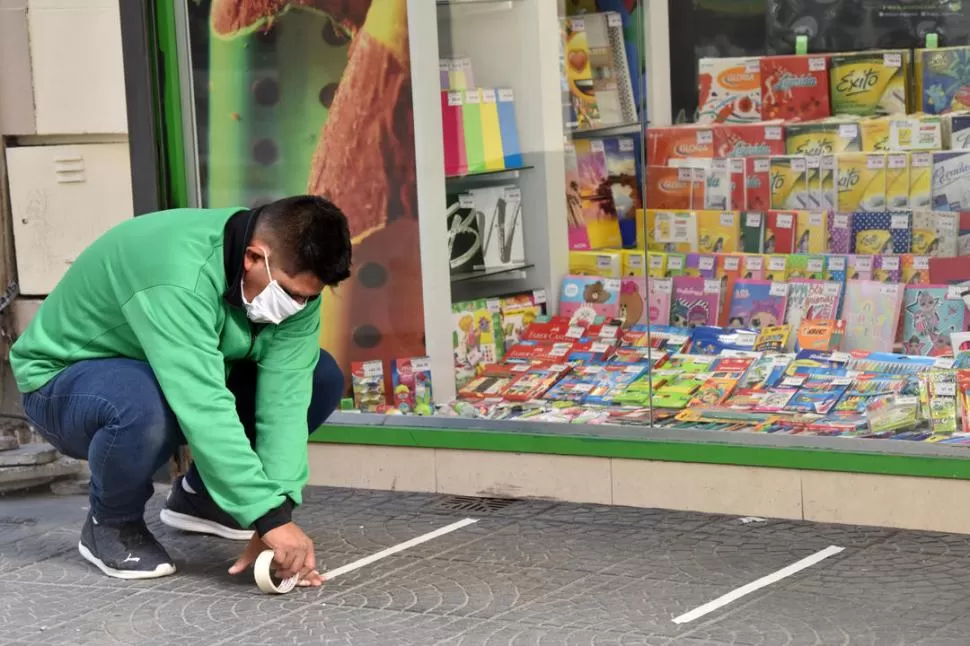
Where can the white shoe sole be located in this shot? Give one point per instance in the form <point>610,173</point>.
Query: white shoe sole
<point>196,525</point>
<point>166,569</point>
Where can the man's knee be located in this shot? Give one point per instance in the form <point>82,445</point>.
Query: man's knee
<point>142,410</point>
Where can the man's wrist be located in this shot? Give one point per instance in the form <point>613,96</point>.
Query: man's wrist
<point>275,518</point>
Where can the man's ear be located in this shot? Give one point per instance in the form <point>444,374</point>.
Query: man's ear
<point>250,258</point>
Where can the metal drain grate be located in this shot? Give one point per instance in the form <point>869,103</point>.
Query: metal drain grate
<point>472,504</point>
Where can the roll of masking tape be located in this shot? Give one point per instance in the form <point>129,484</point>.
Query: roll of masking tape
<point>263,571</point>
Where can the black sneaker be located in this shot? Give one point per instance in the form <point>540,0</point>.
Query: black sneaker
<point>126,551</point>
<point>199,513</point>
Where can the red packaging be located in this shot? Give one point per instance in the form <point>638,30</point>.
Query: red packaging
<point>538,351</point>
<point>669,188</point>
<point>749,140</point>
<point>679,142</point>
<point>795,88</point>
<point>698,191</point>
<point>780,231</point>
<point>757,184</point>
<point>593,349</point>
<point>557,329</point>
<point>604,331</point>
<point>533,383</point>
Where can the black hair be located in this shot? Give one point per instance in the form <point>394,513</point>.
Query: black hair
<point>309,234</point>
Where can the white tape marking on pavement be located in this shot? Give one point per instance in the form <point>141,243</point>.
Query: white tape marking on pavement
<point>400,547</point>
<point>745,590</point>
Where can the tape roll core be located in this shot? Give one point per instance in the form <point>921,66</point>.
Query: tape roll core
<point>263,572</point>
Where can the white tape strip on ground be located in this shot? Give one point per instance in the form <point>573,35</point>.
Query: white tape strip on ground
<point>400,547</point>
<point>745,590</point>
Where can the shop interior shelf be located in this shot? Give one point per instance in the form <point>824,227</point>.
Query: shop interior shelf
<point>487,176</point>
<point>606,131</point>
<point>505,272</point>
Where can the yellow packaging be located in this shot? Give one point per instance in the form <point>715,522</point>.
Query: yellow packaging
<point>776,267</point>
<point>671,231</point>
<point>827,182</point>
<point>916,132</point>
<point>825,137</point>
<point>656,264</point>
<point>916,93</point>
<point>633,262</point>
<point>921,181</point>
<point>870,83</point>
<point>789,183</point>
<point>607,264</point>
<point>811,234</point>
<point>861,178</point>
<point>897,180</point>
<point>873,242</point>
<point>718,231</point>
<point>875,134</point>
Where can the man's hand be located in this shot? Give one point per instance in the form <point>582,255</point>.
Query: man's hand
<point>292,553</point>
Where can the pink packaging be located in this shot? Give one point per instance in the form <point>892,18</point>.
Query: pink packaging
<point>696,301</point>
<point>659,294</point>
<point>839,232</point>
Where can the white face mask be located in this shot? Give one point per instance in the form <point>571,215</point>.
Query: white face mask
<point>273,304</point>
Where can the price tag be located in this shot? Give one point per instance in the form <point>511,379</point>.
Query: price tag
<point>705,137</point>
<point>813,163</point>
<point>732,263</point>
<point>816,218</point>
<point>675,263</point>
<point>840,357</point>
<point>837,263</point>
<point>604,262</point>
<point>889,290</point>
<point>842,381</point>
<point>635,261</point>
<point>892,59</point>
<point>570,149</point>
<point>793,381</point>
<point>655,262</point>
<point>831,289</point>
<point>890,263</point>
<point>539,296</point>
<point>575,332</point>
<point>455,65</point>
<point>737,165</point>
<point>577,24</point>
<point>506,95</point>
<point>421,364</point>
<point>849,131</point>
<point>772,133</point>
<point>712,287</point>
<point>945,389</point>
<point>662,285</point>
<point>488,96</point>
<point>762,165</point>
<point>784,220</point>
<point>798,164</point>
<point>815,265</point>
<point>444,65</point>
<point>944,363</point>
<point>583,388</point>
<point>778,289</point>
<point>513,193</point>
<point>754,263</point>
<point>863,263</point>
<point>727,219</point>
<point>921,160</point>
<point>776,263</point>
<point>752,219</point>
<point>752,66</point>
<point>494,305</point>
<point>612,284</point>
<point>596,145</point>
<point>466,201</point>
<point>921,262</point>
<point>626,145</point>
<point>705,263</point>
<point>899,222</point>
<point>746,338</point>
<point>907,400</point>
<point>473,96</point>
<point>600,347</point>
<point>613,19</point>
<point>840,221</point>
<point>719,165</point>
<point>685,174</point>
<point>454,99</point>
<point>560,349</point>
<point>896,162</point>
<point>955,292</point>
<point>828,162</point>
<point>373,369</point>
<point>816,64</point>
<point>609,332</point>
<point>876,162</point>
<point>523,367</point>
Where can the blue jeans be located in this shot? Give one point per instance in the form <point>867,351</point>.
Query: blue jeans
<point>112,413</point>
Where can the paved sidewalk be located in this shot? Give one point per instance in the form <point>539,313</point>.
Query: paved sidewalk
<point>529,573</point>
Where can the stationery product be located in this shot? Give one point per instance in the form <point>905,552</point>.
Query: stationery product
<point>610,70</point>
<point>814,179</point>
<point>717,188</point>
<point>411,379</point>
<point>518,312</point>
<point>491,131</point>
<point>789,182</point>
<point>586,297</point>
<point>753,267</point>
<point>839,239</point>
<point>738,140</point>
<point>718,231</point>
<point>827,137</point>
<point>811,232</point>
<point>951,181</point>
<point>696,301</point>
<point>624,189</point>
<point>582,111</point>
<point>464,234</point>
<point>498,210</point>
<point>730,90</point>
<point>701,264</point>
<point>915,270</point>
<point>882,233</point>
<point>949,271</point>
<point>460,74</point>
<point>860,267</point>
<point>453,130</point>
<point>757,184</point>
<point>752,231</point>
<point>756,304</point>
<point>471,115</point>
<point>867,83</point>
<point>875,134</point>
<point>659,295</point>
<point>946,79</point>
<point>668,188</point>
<point>820,334</point>
<point>509,129</point>
<point>886,269</point>
<point>476,336</point>
<point>656,264</point>
<point>958,129</point>
<point>633,300</point>
<point>836,267</point>
<point>367,382</point>
<point>806,266</point>
<point>598,227</point>
<point>936,233</point>
<point>607,264</point>
<point>794,87</point>
<point>861,181</point>
<point>828,189</point>
<point>633,262</point>
<point>871,314</point>
<point>916,132</point>
<point>921,181</point>
<point>678,142</point>
<point>931,313</point>
<point>674,230</point>
<point>780,232</point>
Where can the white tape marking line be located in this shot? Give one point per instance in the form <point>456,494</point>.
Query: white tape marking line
<point>745,590</point>
<point>400,547</point>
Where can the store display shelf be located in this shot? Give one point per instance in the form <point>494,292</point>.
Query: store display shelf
<point>508,272</point>
<point>466,3</point>
<point>486,177</point>
<point>882,457</point>
<point>607,131</point>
